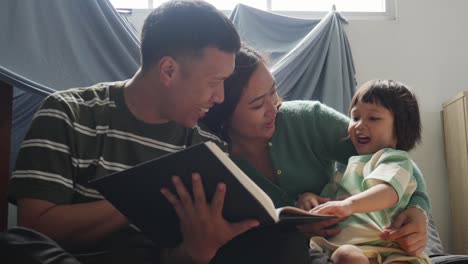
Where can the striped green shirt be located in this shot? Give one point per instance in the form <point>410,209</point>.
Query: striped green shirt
<point>390,166</point>
<point>84,133</point>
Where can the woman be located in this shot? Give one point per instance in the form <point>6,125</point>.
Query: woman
<point>290,148</point>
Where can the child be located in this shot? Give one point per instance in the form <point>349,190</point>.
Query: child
<point>384,124</point>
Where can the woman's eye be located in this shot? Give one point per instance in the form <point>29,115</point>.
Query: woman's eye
<point>355,118</point>
<point>256,107</point>
<point>373,118</point>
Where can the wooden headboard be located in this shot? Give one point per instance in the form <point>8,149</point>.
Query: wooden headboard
<point>6,103</point>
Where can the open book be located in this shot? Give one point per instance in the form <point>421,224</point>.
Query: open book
<point>136,192</point>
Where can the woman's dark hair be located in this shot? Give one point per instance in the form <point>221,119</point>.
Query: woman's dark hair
<point>398,99</point>
<point>247,61</point>
<point>185,28</point>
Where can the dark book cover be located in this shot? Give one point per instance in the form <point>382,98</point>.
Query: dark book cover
<point>136,191</point>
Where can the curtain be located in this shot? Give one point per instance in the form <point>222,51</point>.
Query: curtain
<point>310,58</point>
<point>52,45</point>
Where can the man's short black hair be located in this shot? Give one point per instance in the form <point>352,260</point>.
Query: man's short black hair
<point>184,28</point>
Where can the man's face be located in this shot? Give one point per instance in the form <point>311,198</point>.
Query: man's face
<point>196,85</point>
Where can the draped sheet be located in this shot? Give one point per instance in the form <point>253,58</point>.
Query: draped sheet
<point>52,45</point>
<point>310,58</point>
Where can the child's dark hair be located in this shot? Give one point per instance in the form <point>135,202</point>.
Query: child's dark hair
<point>401,101</point>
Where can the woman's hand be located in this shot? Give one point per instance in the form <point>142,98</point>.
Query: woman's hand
<point>409,229</point>
<point>307,201</point>
<point>327,228</point>
<point>204,229</point>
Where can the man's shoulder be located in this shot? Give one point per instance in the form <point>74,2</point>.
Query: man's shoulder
<point>99,91</point>
<point>98,95</point>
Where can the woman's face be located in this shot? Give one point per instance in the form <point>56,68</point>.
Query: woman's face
<point>254,116</point>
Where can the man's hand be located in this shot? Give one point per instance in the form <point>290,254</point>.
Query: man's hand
<point>204,229</point>
<point>307,201</point>
<point>409,229</point>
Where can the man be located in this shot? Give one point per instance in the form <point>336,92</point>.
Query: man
<point>187,50</point>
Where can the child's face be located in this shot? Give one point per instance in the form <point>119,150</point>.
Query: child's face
<point>371,128</point>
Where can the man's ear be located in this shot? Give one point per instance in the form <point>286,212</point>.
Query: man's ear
<point>167,69</point>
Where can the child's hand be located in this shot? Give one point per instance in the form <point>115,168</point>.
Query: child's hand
<point>307,201</point>
<point>337,208</point>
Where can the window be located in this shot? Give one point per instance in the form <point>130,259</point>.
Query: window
<point>356,9</point>
<point>136,4</point>
<point>325,5</point>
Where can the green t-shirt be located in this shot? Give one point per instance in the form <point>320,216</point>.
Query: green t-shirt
<point>390,166</point>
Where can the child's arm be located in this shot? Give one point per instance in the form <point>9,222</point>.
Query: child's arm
<point>307,201</point>
<point>376,198</point>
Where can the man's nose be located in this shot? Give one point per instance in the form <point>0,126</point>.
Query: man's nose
<point>218,96</point>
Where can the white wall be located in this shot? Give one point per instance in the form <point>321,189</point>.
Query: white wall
<point>426,48</point>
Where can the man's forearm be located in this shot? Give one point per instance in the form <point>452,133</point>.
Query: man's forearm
<point>78,224</point>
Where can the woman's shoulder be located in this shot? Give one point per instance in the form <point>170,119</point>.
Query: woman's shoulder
<point>300,106</point>
<point>309,108</point>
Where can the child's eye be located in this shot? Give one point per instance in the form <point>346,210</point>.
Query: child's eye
<point>373,118</point>
<point>355,118</point>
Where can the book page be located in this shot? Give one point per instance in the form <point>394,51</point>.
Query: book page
<point>290,210</point>
<point>250,185</point>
